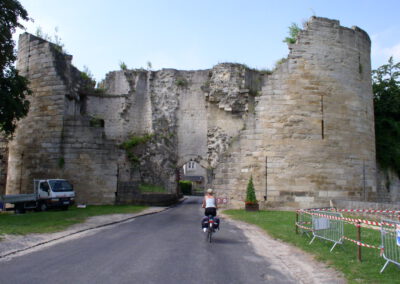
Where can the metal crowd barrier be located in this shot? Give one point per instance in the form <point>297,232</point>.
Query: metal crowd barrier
<point>326,228</point>
<point>390,235</point>
<point>304,223</point>
<point>328,225</point>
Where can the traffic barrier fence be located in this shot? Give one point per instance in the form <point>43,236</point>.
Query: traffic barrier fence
<point>390,236</point>
<point>330,229</point>
<point>328,224</point>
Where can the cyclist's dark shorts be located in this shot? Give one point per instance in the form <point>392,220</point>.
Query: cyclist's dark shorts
<point>210,211</point>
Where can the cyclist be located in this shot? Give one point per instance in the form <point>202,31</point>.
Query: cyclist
<point>209,203</point>
<point>210,206</point>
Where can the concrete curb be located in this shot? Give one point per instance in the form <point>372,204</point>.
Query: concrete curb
<point>68,234</point>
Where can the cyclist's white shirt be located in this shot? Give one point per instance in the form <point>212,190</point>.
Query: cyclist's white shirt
<point>210,202</point>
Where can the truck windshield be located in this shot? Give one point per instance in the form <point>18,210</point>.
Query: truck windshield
<point>60,185</point>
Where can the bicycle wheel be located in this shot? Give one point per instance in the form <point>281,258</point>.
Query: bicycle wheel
<point>209,235</point>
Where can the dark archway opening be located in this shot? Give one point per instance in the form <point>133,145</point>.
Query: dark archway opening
<point>192,178</point>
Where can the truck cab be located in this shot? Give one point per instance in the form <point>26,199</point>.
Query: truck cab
<point>47,193</point>
<point>54,193</point>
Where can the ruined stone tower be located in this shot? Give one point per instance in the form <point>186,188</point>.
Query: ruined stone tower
<point>305,132</point>
<point>312,134</point>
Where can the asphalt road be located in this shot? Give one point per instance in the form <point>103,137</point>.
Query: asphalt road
<point>168,247</point>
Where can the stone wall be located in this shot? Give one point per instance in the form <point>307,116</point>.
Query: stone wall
<point>305,132</point>
<point>56,140</point>
<point>388,185</point>
<point>36,148</point>
<point>3,164</point>
<point>349,204</point>
<point>193,117</point>
<point>90,161</point>
<point>313,135</point>
<point>125,105</point>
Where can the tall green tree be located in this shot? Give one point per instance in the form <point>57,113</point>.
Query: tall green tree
<point>386,88</point>
<point>13,87</point>
<point>250,192</point>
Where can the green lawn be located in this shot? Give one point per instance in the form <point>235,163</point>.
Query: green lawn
<point>53,221</point>
<point>280,225</point>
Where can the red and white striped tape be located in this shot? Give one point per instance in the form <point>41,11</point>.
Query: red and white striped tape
<point>345,238</point>
<point>396,212</point>
<point>360,243</point>
<point>304,227</point>
<point>351,220</point>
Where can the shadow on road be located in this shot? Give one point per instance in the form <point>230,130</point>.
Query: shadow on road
<point>221,240</point>
<point>192,200</point>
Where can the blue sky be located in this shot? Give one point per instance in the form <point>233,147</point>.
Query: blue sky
<point>197,34</point>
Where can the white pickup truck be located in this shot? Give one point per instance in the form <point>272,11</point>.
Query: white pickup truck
<point>47,193</point>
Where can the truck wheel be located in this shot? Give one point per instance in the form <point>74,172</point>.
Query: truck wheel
<point>64,208</point>
<point>43,207</point>
<point>19,209</point>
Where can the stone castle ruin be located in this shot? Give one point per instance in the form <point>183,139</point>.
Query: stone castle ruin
<point>305,131</point>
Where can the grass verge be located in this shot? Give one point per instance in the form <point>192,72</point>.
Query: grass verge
<point>280,225</point>
<point>53,221</point>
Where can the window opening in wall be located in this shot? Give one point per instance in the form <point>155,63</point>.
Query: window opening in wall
<point>322,129</point>
<point>191,165</point>
<point>266,179</point>
<point>322,118</point>
<point>82,104</point>
<point>364,182</point>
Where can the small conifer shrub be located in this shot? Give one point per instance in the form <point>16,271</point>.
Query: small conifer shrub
<point>250,193</point>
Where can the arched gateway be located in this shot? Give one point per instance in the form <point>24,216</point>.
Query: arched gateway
<point>305,131</point>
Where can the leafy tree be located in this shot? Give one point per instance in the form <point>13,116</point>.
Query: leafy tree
<point>250,193</point>
<point>13,87</point>
<point>294,30</point>
<point>386,88</point>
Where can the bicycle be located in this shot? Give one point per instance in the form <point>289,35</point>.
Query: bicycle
<point>210,229</point>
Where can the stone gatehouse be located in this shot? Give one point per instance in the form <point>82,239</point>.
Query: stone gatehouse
<point>304,131</point>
